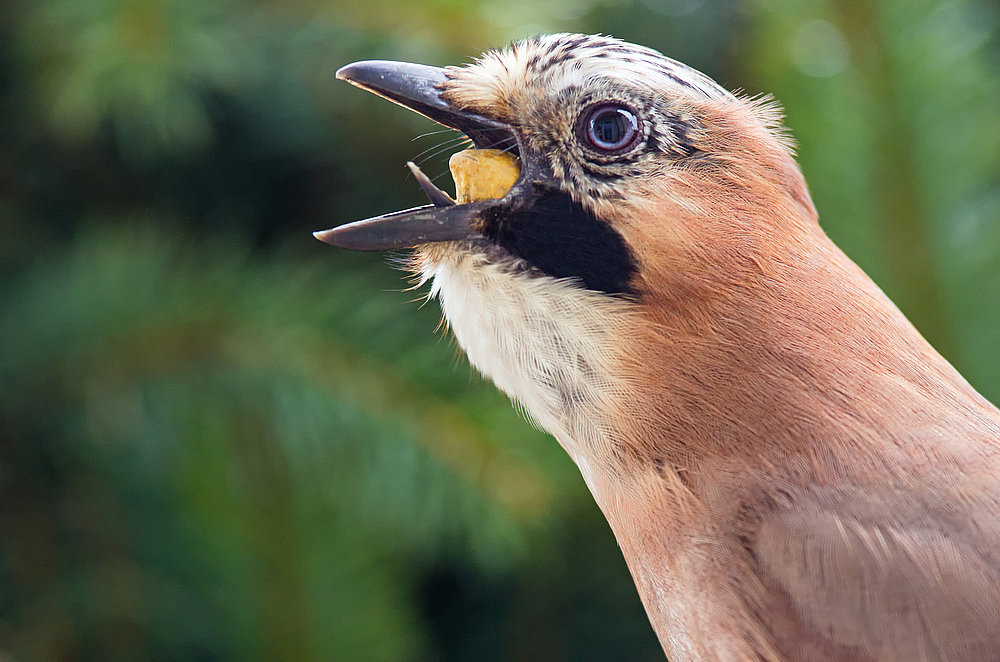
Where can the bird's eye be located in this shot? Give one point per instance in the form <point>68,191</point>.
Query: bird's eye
<point>610,128</point>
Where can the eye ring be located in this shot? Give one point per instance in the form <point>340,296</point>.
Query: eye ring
<point>610,128</point>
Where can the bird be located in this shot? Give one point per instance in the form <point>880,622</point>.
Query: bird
<point>791,471</point>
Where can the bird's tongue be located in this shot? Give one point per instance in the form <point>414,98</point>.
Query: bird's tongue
<point>483,174</point>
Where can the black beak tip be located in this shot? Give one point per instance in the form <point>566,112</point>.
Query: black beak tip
<point>327,236</point>
<point>344,73</point>
<point>362,236</point>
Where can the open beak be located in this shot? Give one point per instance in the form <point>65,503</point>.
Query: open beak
<point>417,87</point>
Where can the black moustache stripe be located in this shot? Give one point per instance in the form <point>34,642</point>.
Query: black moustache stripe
<point>563,239</point>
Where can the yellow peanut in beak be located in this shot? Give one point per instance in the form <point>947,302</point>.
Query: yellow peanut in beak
<point>483,174</point>
<point>480,175</point>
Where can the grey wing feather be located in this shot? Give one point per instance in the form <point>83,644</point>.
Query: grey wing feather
<point>865,581</point>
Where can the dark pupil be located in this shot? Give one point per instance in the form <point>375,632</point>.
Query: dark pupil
<point>609,127</point>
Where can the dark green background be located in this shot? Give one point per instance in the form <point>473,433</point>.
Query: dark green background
<point>223,440</point>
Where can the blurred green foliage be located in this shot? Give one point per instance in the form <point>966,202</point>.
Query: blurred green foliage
<point>221,440</point>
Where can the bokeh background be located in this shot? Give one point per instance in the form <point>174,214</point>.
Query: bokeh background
<point>223,440</point>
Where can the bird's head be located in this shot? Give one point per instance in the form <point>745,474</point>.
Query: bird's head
<point>623,153</point>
